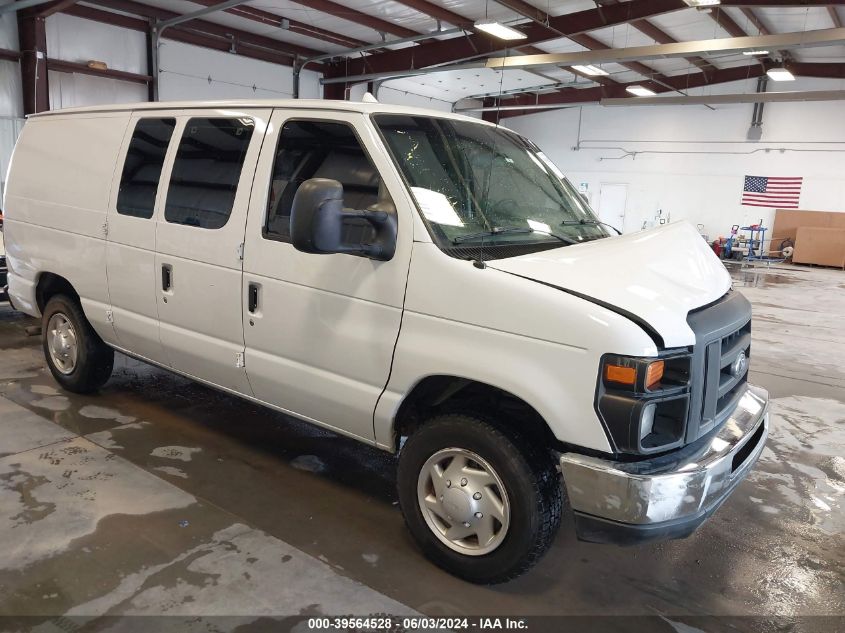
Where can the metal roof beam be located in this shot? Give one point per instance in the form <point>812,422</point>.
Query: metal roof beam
<point>779,4</point>
<point>660,36</point>
<point>726,45</point>
<point>531,12</point>
<point>527,10</point>
<point>182,34</point>
<point>593,44</point>
<point>437,12</point>
<point>204,26</point>
<point>262,16</point>
<point>822,70</point>
<point>458,49</point>
<point>756,21</point>
<point>9,55</point>
<point>541,18</point>
<point>759,97</point>
<point>572,96</point>
<point>199,13</point>
<point>54,7</point>
<point>20,5</point>
<point>727,22</point>
<point>353,15</point>
<point>592,95</point>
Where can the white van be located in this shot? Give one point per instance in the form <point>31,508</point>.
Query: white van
<point>426,283</point>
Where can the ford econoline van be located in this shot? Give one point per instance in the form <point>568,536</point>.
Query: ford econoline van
<point>426,283</point>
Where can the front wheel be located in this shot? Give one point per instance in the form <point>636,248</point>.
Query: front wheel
<point>482,502</point>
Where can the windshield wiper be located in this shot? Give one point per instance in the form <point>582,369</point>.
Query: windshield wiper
<point>584,222</point>
<point>500,230</point>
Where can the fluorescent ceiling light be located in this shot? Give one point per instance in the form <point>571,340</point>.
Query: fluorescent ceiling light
<point>497,29</point>
<point>591,70</point>
<point>702,3</point>
<point>755,52</point>
<point>780,74</point>
<point>640,91</point>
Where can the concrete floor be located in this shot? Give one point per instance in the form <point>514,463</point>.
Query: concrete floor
<point>161,496</point>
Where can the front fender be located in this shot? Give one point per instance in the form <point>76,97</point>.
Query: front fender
<point>536,342</point>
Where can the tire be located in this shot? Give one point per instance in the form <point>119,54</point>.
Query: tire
<point>531,485</point>
<point>81,362</point>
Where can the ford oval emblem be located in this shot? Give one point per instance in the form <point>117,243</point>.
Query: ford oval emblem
<point>739,365</point>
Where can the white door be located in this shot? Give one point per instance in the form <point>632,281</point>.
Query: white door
<point>320,329</point>
<point>130,247</point>
<point>199,243</point>
<point>612,199</point>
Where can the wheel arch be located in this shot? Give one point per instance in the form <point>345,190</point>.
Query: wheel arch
<point>49,285</point>
<point>439,393</point>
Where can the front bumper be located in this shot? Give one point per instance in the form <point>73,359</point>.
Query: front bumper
<point>667,496</point>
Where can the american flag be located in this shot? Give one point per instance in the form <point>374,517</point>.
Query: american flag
<point>775,192</point>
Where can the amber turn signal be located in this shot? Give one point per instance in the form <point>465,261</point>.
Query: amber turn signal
<point>654,373</point>
<point>620,374</point>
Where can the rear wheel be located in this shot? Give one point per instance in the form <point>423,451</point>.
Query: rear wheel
<point>77,357</point>
<point>482,502</point>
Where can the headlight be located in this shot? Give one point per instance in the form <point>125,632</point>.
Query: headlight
<point>643,401</point>
<point>636,374</point>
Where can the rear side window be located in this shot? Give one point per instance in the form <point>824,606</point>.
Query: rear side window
<point>142,167</point>
<point>319,149</point>
<point>206,171</point>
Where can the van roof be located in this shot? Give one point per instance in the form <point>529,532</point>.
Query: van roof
<point>298,104</point>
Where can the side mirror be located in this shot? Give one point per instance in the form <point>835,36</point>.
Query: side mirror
<point>317,221</point>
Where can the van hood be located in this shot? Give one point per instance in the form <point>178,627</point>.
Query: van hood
<point>655,277</point>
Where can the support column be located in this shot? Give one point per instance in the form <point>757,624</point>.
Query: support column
<point>33,43</point>
<point>152,63</point>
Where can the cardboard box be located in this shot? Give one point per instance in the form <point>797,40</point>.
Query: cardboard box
<point>787,222</point>
<point>823,246</point>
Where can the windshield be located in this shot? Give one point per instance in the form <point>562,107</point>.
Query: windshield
<point>477,183</point>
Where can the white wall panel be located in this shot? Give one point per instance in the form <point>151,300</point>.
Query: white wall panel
<point>8,31</point>
<point>10,128</point>
<point>11,93</point>
<point>388,94</point>
<point>70,90</point>
<point>11,96</point>
<point>191,72</point>
<point>74,39</point>
<point>692,160</point>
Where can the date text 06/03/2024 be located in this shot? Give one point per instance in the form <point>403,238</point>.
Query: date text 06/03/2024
<point>419,623</point>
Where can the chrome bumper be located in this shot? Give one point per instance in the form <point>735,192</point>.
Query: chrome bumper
<point>667,496</point>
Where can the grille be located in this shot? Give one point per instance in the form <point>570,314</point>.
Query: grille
<point>724,378</point>
<point>722,334</point>
<point>732,375</point>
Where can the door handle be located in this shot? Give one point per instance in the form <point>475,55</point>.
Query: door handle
<point>252,298</point>
<point>166,277</point>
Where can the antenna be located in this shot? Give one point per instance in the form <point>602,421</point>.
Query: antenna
<point>479,263</point>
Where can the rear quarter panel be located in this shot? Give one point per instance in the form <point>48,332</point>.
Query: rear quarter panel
<point>58,189</point>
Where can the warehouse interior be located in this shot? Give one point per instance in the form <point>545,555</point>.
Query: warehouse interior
<point>159,496</point>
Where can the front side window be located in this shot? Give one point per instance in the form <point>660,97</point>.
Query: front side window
<point>476,184</point>
<point>142,167</point>
<point>206,171</point>
<point>321,149</point>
